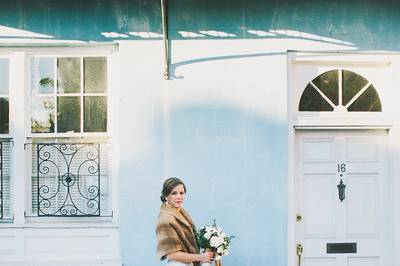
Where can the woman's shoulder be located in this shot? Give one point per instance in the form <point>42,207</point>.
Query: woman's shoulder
<point>165,217</point>
<point>173,216</point>
<point>165,222</point>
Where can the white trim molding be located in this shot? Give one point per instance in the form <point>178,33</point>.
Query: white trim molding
<point>57,241</point>
<point>381,69</point>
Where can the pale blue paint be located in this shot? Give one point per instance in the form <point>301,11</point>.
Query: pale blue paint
<point>234,166</point>
<point>233,162</point>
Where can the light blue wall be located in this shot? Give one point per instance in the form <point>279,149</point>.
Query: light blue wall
<point>234,167</point>
<point>234,162</point>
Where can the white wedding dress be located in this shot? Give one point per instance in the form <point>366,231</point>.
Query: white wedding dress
<point>176,263</point>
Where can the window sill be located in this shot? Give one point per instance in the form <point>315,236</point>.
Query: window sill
<point>62,222</point>
<point>104,135</point>
<point>60,226</point>
<point>6,221</point>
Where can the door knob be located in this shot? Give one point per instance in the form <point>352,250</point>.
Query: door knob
<point>299,251</point>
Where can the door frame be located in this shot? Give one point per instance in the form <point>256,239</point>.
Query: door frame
<point>295,124</point>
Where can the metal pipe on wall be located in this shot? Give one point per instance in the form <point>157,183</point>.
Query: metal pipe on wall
<point>164,15</point>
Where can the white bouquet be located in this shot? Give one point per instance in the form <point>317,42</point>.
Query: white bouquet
<point>214,239</point>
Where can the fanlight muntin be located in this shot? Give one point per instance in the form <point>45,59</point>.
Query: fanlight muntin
<point>341,93</point>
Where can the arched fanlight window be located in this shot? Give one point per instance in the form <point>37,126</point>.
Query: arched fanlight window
<point>340,90</point>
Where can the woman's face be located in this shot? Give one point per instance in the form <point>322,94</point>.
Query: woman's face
<point>176,197</point>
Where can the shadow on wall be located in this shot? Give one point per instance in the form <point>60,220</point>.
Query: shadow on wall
<point>233,163</point>
<point>364,24</point>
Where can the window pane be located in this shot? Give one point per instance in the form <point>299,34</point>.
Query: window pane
<point>352,84</point>
<point>43,75</point>
<point>4,116</point>
<point>311,100</point>
<point>328,84</point>
<point>69,75</point>
<point>95,74</point>
<point>367,102</point>
<point>95,114</point>
<point>68,114</point>
<point>42,120</point>
<point>4,76</point>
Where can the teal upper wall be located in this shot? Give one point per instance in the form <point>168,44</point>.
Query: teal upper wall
<point>368,24</point>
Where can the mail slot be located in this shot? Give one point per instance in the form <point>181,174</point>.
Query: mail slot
<point>341,247</point>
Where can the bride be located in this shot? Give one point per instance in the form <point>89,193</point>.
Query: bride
<point>175,230</point>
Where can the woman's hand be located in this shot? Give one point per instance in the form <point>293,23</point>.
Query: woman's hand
<point>184,257</point>
<point>206,257</point>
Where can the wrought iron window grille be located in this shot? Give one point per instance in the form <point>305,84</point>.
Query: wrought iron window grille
<point>68,182</point>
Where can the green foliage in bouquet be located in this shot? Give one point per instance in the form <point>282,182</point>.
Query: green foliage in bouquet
<point>214,238</point>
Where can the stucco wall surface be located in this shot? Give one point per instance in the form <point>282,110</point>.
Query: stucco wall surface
<point>220,123</point>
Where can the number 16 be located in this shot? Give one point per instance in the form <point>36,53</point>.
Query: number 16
<point>341,167</point>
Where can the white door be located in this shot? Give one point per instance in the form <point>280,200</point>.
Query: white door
<point>333,228</point>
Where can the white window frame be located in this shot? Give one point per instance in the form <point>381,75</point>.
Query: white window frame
<point>361,63</point>
<point>20,106</point>
<point>80,94</point>
<point>9,134</point>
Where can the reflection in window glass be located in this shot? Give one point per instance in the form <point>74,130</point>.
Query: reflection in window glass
<point>4,76</point>
<point>65,105</point>
<point>95,69</point>
<point>352,84</point>
<point>328,84</point>
<point>42,115</point>
<point>367,102</point>
<point>42,75</point>
<point>69,75</point>
<point>352,100</point>
<point>311,100</point>
<point>68,114</point>
<point>95,114</point>
<point>4,118</point>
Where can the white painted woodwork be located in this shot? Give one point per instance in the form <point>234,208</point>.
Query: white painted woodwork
<point>46,245</point>
<point>319,262</point>
<point>56,241</point>
<point>359,217</point>
<point>378,69</point>
<point>17,122</point>
<point>363,261</point>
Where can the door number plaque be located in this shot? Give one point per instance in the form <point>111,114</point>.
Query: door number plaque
<point>341,167</point>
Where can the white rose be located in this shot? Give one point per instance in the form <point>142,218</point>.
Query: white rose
<point>207,235</point>
<point>208,229</point>
<point>220,249</point>
<point>225,252</point>
<point>216,241</point>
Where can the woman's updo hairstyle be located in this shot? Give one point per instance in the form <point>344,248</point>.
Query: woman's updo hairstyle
<point>169,185</point>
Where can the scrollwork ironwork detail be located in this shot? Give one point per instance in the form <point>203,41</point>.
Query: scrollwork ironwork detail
<point>68,179</point>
